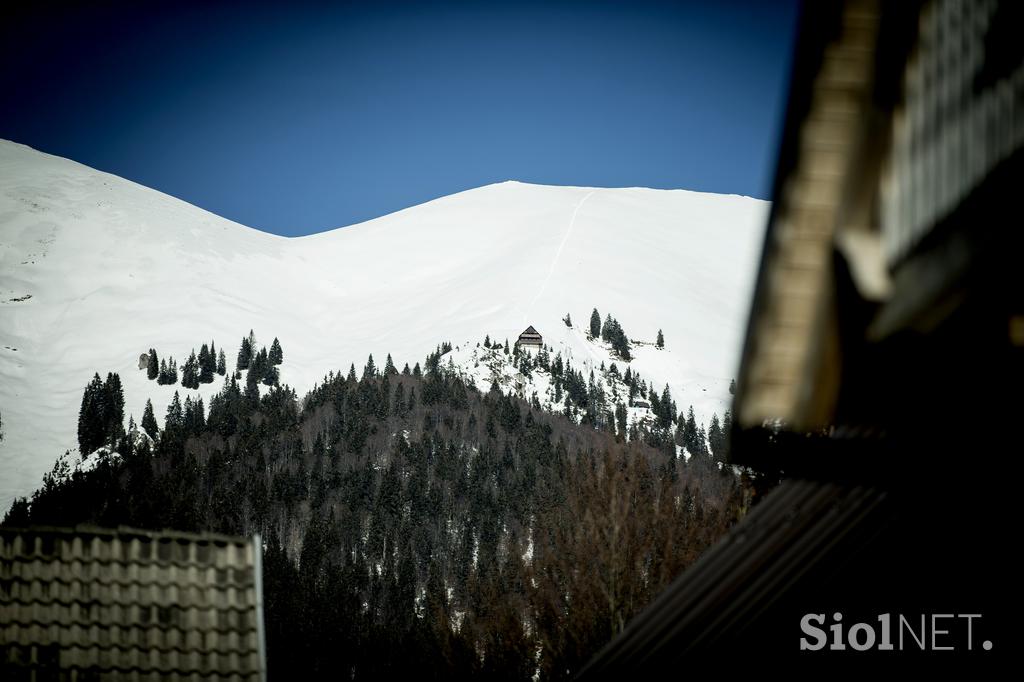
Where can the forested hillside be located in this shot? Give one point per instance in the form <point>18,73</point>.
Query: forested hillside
<point>412,524</point>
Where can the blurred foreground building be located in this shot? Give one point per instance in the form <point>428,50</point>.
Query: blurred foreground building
<point>880,379</point>
<point>95,604</point>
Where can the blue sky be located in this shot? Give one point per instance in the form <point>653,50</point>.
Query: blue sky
<point>300,119</point>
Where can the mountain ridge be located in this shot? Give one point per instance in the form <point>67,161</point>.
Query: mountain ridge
<point>113,268</point>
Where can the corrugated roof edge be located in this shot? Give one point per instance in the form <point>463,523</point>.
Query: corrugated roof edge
<point>125,531</point>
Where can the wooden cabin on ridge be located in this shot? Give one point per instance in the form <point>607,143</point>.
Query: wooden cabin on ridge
<point>530,338</point>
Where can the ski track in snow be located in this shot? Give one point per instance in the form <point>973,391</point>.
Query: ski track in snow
<point>558,255</point>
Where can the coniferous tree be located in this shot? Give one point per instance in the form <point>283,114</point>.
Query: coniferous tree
<point>251,395</point>
<point>681,430</point>
<point>254,375</point>
<point>152,366</point>
<point>406,371</point>
<point>568,320</point>
<point>276,354</point>
<point>351,372</point>
<point>172,371</point>
<point>620,346</point>
<point>595,324</point>
<point>665,416</point>
<point>222,363</point>
<point>271,375</point>
<point>506,347</point>
<point>370,370</point>
<point>101,415</point>
<point>655,402</point>
<point>114,397</point>
<point>149,424</point>
<point>163,376</point>
<point>661,340</point>
<point>207,365</point>
<point>188,414</point>
<point>190,372</point>
<point>716,439</point>
<point>726,434</point>
<point>194,416</point>
<point>91,417</point>
<point>416,371</point>
<point>203,357</point>
<point>263,360</point>
<point>617,337</point>
<point>245,352</point>
<point>174,420</point>
<point>689,432</point>
<point>389,367</point>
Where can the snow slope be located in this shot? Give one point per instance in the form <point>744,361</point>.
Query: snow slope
<point>95,270</point>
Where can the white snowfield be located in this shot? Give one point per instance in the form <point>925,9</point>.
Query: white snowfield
<point>95,270</point>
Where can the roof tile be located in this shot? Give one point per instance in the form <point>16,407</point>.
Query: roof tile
<point>129,604</point>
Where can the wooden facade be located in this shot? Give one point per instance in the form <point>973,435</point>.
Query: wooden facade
<point>530,338</point>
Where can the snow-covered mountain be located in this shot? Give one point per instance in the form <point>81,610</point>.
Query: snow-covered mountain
<point>95,270</point>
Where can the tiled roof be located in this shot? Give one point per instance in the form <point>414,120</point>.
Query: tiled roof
<point>89,603</point>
